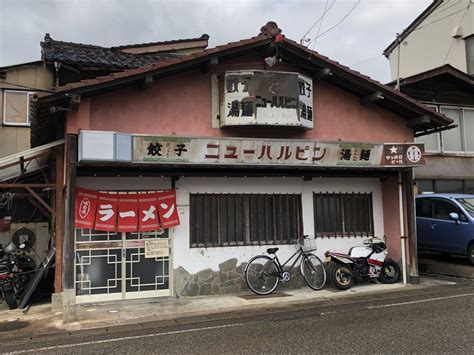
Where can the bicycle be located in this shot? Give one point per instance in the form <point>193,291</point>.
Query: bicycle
<point>263,273</point>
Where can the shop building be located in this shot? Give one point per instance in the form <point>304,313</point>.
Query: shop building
<point>262,140</point>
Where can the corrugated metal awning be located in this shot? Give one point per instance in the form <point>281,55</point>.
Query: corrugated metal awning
<point>27,161</point>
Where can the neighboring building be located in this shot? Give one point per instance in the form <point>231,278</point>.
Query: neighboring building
<point>17,84</point>
<point>442,34</point>
<point>262,140</point>
<point>436,68</point>
<point>73,62</point>
<point>30,178</point>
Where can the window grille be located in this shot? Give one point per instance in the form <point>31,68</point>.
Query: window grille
<point>244,219</point>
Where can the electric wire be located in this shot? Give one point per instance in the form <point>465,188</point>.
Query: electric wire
<point>321,22</point>
<point>316,22</point>
<point>366,60</point>
<point>337,24</point>
<point>440,19</point>
<point>452,40</point>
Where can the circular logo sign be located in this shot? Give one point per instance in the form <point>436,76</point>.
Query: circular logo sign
<point>414,154</point>
<point>84,207</point>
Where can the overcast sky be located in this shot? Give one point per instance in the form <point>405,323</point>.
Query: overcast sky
<point>358,41</point>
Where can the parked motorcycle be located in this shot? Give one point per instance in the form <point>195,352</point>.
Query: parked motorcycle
<point>363,262</point>
<point>14,272</point>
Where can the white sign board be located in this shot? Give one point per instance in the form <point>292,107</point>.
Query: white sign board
<point>266,98</point>
<point>156,248</point>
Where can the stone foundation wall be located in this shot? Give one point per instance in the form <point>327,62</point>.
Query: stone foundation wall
<point>228,279</point>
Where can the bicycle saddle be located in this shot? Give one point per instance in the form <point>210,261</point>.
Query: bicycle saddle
<point>272,250</point>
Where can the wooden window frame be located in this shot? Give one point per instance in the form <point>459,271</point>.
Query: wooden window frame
<point>254,222</point>
<point>343,210</point>
<point>17,124</point>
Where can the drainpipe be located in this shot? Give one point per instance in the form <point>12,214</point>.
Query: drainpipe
<point>57,65</point>
<point>402,227</point>
<point>398,63</point>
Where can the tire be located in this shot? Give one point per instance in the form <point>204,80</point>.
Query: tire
<point>390,272</point>
<point>313,272</point>
<point>470,254</point>
<point>341,276</point>
<point>10,299</point>
<point>262,275</point>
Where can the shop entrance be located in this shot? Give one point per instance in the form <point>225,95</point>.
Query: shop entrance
<point>113,265</point>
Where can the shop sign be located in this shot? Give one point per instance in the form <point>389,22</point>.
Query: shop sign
<point>266,98</point>
<point>156,248</point>
<point>403,154</point>
<point>225,151</point>
<point>125,212</point>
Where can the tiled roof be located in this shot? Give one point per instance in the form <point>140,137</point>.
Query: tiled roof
<point>204,37</point>
<point>96,56</point>
<point>444,69</point>
<point>313,57</point>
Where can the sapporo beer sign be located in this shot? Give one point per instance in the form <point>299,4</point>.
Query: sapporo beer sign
<point>125,212</point>
<point>403,154</point>
<point>266,98</point>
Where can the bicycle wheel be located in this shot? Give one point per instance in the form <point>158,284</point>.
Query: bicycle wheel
<point>262,275</point>
<point>313,272</point>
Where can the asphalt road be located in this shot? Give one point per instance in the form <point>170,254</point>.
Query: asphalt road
<point>428,321</point>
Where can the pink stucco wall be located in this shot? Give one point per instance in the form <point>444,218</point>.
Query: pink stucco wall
<point>181,105</point>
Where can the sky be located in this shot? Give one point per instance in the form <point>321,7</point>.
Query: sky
<point>358,41</point>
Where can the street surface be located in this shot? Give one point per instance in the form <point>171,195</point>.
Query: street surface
<point>432,320</point>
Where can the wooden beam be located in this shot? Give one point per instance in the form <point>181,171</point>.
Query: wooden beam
<point>58,220</point>
<point>32,186</point>
<point>425,119</point>
<point>374,97</point>
<point>68,281</point>
<point>39,199</point>
<point>36,204</point>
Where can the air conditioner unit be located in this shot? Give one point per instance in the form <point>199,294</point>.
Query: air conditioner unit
<point>39,245</point>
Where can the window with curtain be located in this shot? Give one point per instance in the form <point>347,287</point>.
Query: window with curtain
<point>16,108</point>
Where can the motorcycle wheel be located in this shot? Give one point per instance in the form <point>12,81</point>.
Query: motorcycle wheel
<point>390,272</point>
<point>341,276</point>
<point>10,299</point>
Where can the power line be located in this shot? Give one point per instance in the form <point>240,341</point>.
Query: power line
<point>316,22</point>
<point>366,60</point>
<point>321,22</point>
<point>452,40</point>
<point>442,18</point>
<point>337,24</point>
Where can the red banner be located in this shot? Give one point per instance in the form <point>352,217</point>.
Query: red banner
<point>125,212</point>
<point>127,218</point>
<point>86,203</point>
<point>166,202</point>
<point>148,213</point>
<point>106,216</point>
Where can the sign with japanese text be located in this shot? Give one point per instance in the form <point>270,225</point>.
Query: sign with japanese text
<point>86,203</point>
<point>156,248</point>
<point>125,212</point>
<point>106,216</point>
<point>166,202</point>
<point>127,218</point>
<point>403,154</point>
<point>266,98</point>
<point>251,152</point>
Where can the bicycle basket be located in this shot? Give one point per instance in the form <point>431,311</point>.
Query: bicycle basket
<point>309,244</point>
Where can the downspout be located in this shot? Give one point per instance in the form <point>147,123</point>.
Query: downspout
<point>402,227</point>
<point>57,65</point>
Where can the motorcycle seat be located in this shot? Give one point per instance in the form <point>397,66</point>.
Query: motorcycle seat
<point>272,250</point>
